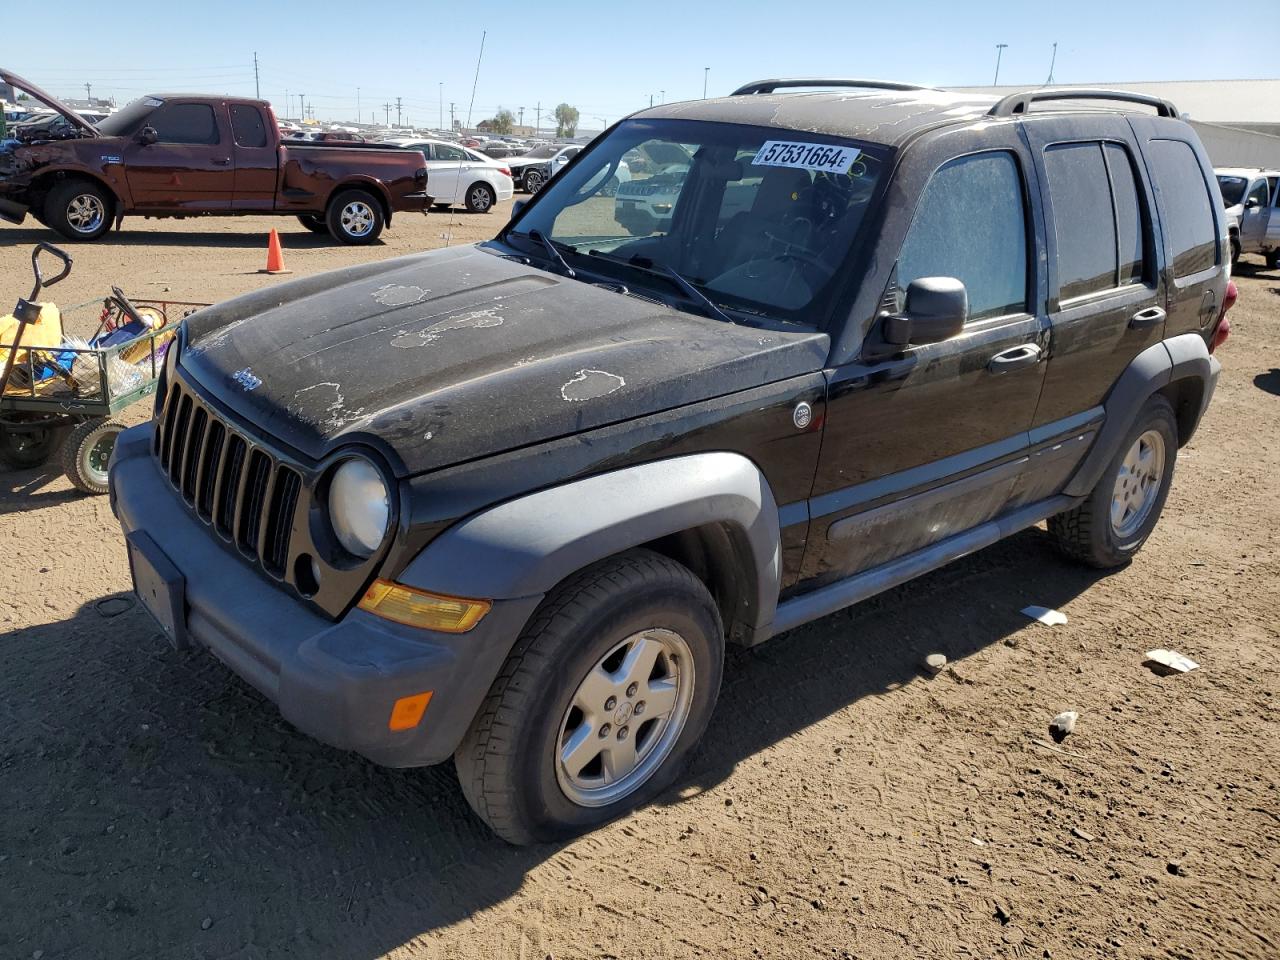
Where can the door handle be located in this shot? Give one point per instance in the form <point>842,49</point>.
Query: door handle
<point>222,161</point>
<point>1026,355</point>
<point>1146,318</point>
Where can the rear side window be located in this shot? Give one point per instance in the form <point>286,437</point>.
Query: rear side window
<point>185,123</point>
<point>1083,221</point>
<point>247,126</point>
<point>971,224</point>
<point>1185,205</point>
<point>445,152</point>
<point>1130,226</point>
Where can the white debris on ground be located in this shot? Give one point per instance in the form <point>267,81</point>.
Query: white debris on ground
<point>1047,616</point>
<point>1169,661</point>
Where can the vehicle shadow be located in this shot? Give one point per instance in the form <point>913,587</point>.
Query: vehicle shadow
<point>25,490</point>
<point>155,779</point>
<point>1269,381</point>
<point>292,237</point>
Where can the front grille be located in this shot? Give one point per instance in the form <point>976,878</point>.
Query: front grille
<point>237,486</point>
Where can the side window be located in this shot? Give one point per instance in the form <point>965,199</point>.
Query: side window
<point>971,224</point>
<point>1083,221</point>
<point>185,123</point>
<point>1273,182</point>
<point>446,152</point>
<point>1130,224</point>
<point>247,126</point>
<point>1186,206</point>
<point>1258,194</point>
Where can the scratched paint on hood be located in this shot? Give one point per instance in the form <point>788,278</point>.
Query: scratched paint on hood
<point>591,384</point>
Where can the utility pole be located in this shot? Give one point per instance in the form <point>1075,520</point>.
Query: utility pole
<point>302,106</point>
<point>257,90</point>
<point>999,50</point>
<point>441,101</point>
<point>452,122</point>
<point>522,117</point>
<point>88,91</point>
<point>664,96</point>
<point>537,130</point>
<point>1052,62</point>
<point>287,102</point>
<point>706,72</point>
<point>397,111</point>
<point>357,104</point>
<point>386,109</point>
<point>651,99</point>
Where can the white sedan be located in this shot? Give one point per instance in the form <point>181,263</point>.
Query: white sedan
<point>457,174</point>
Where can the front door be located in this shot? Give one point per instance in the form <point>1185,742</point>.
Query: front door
<point>1253,221</point>
<point>190,167</point>
<point>927,444</point>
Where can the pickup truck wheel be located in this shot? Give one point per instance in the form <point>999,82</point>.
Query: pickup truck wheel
<point>600,702</point>
<point>1114,521</point>
<point>313,222</point>
<point>354,217</point>
<point>78,209</point>
<point>480,198</point>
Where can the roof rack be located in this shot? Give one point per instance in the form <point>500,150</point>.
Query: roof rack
<point>1019,103</point>
<point>769,86</point>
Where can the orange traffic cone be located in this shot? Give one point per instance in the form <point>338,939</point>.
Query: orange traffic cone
<point>275,258</point>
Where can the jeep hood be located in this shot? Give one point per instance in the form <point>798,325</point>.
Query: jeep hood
<point>48,99</point>
<point>455,354</point>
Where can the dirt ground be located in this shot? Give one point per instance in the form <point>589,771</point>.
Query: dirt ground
<point>843,805</point>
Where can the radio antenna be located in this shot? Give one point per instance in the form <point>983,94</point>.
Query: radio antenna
<point>462,150</point>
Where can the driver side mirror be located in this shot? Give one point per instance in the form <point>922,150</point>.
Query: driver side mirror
<point>936,310</point>
<point>1251,203</point>
<point>148,136</point>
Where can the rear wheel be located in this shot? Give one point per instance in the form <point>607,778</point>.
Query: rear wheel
<point>29,441</point>
<point>78,209</point>
<point>600,702</point>
<point>480,198</point>
<point>87,453</point>
<point>354,217</point>
<point>1114,521</point>
<point>313,222</point>
<point>533,181</point>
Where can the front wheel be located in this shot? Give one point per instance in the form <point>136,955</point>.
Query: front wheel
<point>1114,521</point>
<point>600,702</point>
<point>480,198</point>
<point>78,209</point>
<point>533,181</point>
<point>354,217</point>
<point>88,452</point>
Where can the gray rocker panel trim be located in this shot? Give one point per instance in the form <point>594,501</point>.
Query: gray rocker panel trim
<point>1178,358</point>
<point>528,545</point>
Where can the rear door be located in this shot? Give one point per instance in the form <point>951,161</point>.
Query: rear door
<point>191,165</point>
<point>446,169</point>
<point>256,157</point>
<point>1272,238</point>
<point>1106,296</point>
<point>927,444</point>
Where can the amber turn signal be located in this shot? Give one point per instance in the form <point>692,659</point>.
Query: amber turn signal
<point>407,712</point>
<point>417,608</point>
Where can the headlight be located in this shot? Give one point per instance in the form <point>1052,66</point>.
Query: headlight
<point>359,506</point>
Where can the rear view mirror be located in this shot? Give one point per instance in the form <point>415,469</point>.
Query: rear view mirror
<point>936,310</point>
<point>148,136</point>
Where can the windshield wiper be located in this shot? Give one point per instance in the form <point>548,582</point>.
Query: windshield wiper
<point>687,288</point>
<point>552,252</point>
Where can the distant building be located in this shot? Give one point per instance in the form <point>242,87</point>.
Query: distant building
<point>1237,120</point>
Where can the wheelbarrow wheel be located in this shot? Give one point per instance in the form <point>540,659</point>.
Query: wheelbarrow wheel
<point>88,452</point>
<point>23,449</point>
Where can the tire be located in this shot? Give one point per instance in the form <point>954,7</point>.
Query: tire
<point>1091,532</point>
<point>313,222</point>
<point>354,217</point>
<point>87,452</point>
<point>533,181</point>
<point>24,449</point>
<point>1273,259</point>
<point>1235,251</point>
<point>509,761</point>
<point>480,198</point>
<point>79,209</point>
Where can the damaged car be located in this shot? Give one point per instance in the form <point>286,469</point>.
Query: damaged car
<point>506,504</point>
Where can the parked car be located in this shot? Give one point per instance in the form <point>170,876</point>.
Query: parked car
<point>1250,196</point>
<point>535,168</point>
<point>181,156</point>
<point>458,175</point>
<point>646,206</point>
<point>507,503</point>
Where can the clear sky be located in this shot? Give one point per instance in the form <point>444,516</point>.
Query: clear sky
<point>607,57</point>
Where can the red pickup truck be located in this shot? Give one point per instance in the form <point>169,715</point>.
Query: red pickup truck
<point>185,155</point>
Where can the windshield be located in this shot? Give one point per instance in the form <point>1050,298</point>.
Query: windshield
<point>757,219</point>
<point>127,120</point>
<point>1232,189</point>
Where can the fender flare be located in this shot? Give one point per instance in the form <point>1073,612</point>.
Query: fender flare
<point>526,546</point>
<point>1184,357</point>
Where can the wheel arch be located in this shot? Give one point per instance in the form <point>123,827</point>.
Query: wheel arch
<point>370,184</point>
<point>1180,369</point>
<point>713,512</point>
<point>46,180</point>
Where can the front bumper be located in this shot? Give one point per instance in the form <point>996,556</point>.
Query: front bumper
<point>335,681</point>
<point>12,211</point>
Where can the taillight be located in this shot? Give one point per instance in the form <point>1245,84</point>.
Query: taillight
<point>1223,329</point>
<point>505,171</point>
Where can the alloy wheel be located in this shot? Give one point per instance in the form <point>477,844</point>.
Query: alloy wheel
<point>357,219</point>
<point>1137,485</point>
<point>85,213</point>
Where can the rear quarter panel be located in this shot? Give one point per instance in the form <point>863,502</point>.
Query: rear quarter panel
<point>311,173</point>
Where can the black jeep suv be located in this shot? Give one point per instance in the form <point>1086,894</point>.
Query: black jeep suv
<point>507,503</point>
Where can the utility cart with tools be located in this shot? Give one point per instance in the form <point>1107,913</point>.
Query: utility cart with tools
<point>57,390</point>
